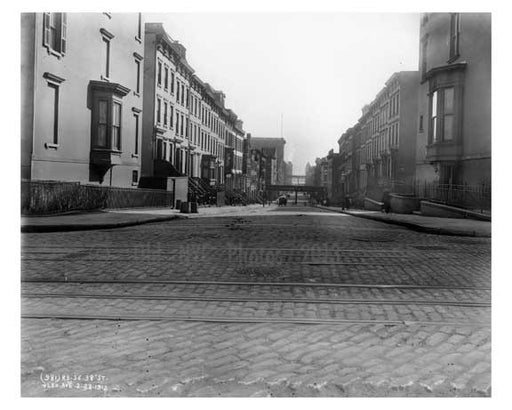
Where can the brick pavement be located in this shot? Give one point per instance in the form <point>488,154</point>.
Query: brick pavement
<point>204,359</point>
<point>176,358</point>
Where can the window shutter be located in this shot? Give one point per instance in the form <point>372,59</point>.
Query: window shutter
<point>63,29</point>
<point>46,29</point>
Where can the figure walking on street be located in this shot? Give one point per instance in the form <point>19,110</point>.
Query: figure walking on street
<point>386,201</point>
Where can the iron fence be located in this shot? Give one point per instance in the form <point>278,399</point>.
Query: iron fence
<point>50,197</point>
<point>471,197</point>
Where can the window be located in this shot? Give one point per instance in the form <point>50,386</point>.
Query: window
<point>178,91</point>
<point>54,88</point>
<point>102,133</point>
<point>159,148</point>
<point>52,114</point>
<point>135,177</point>
<point>106,58</point>
<point>106,38</point>
<point>136,149</point>
<point>181,125</point>
<point>421,123</point>
<point>116,126</point>
<point>454,35</point>
<point>166,78</point>
<point>139,27</point>
<point>442,115</point>
<point>182,94</point>
<point>108,125</point>
<point>158,110</point>
<point>434,119</point>
<point>177,122</point>
<point>159,74</point>
<point>172,83</point>
<point>448,114</point>
<point>171,116</point>
<point>137,81</point>
<point>54,32</point>
<point>165,113</point>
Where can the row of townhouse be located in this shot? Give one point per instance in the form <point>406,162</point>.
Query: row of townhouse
<point>110,100</point>
<point>430,127</point>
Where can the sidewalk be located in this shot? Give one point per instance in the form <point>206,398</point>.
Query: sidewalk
<point>81,221</point>
<point>119,218</point>
<point>427,224</point>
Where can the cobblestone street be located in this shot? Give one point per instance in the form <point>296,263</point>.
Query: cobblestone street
<point>290,301</point>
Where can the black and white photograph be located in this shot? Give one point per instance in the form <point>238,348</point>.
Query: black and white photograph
<point>271,203</point>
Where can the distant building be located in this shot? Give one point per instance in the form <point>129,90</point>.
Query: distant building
<point>81,97</point>
<point>454,101</point>
<point>322,174</point>
<point>254,170</point>
<point>275,148</point>
<point>288,172</point>
<point>347,172</point>
<point>309,174</point>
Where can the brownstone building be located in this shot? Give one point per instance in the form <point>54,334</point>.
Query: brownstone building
<point>454,101</point>
<point>379,151</point>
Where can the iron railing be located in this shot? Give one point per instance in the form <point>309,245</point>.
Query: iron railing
<point>50,197</point>
<point>471,197</point>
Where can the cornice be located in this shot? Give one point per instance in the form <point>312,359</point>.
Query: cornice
<point>448,67</point>
<point>114,88</point>
<point>53,78</point>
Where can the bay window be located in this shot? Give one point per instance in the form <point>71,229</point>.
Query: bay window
<point>108,125</point>
<point>442,115</point>
<point>107,108</point>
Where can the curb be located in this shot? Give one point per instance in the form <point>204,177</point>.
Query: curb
<point>93,226</point>
<point>412,226</point>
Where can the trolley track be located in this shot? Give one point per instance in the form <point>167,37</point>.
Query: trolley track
<point>261,283</point>
<point>258,300</point>
<point>118,303</point>
<point>302,321</point>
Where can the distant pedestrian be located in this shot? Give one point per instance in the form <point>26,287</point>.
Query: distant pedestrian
<point>386,201</point>
<point>346,203</point>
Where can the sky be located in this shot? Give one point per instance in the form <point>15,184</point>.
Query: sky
<point>314,70</point>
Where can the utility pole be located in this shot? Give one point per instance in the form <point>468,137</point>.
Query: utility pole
<point>281,125</point>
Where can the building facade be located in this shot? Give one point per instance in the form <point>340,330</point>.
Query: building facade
<point>454,100</point>
<point>187,131</point>
<point>387,134</point>
<point>309,172</point>
<point>273,147</point>
<point>81,97</point>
